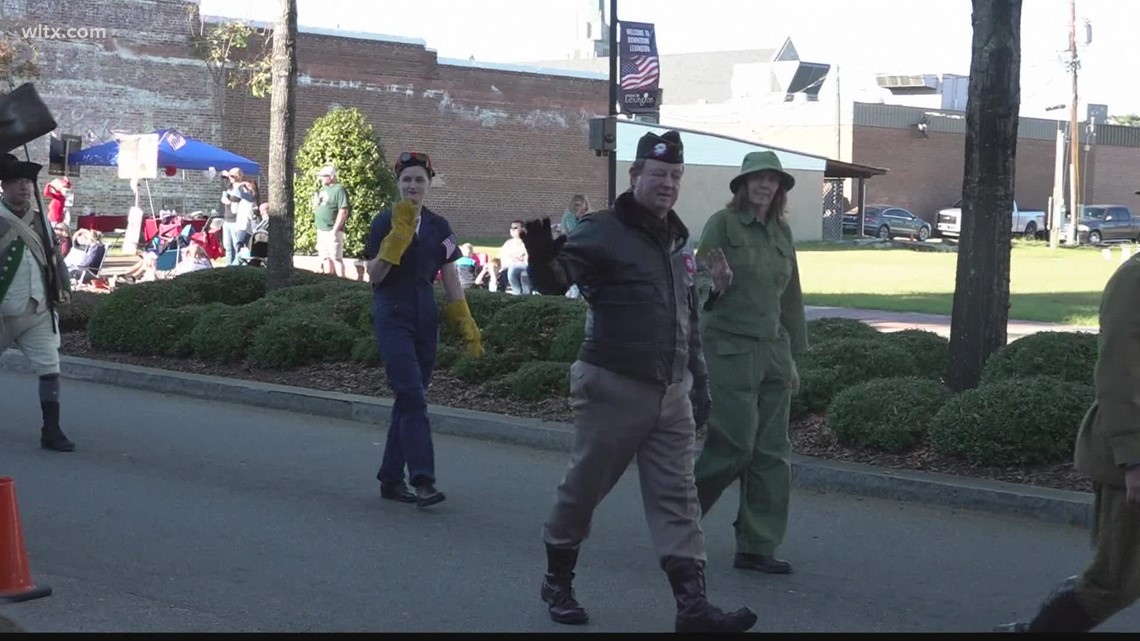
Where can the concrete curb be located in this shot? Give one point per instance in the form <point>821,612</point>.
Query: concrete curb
<point>1044,504</point>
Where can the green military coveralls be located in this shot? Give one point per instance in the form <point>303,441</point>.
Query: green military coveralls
<point>752,333</point>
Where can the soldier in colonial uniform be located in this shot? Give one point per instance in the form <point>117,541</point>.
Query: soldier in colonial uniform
<point>639,386</point>
<point>1108,452</point>
<point>32,281</point>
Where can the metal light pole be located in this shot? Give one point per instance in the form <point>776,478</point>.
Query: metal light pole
<point>613,111</point>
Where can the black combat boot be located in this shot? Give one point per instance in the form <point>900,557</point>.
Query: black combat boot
<point>51,435</point>
<point>1059,613</point>
<point>557,589</point>
<point>694,612</point>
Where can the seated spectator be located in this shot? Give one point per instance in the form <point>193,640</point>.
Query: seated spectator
<point>492,276</point>
<point>193,259</point>
<point>579,206</point>
<point>467,265</point>
<point>86,256</point>
<point>514,261</point>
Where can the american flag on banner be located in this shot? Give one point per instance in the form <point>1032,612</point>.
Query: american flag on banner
<point>175,139</point>
<point>639,72</point>
<point>449,245</point>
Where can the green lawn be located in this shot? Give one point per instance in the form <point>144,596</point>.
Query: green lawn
<point>1049,285</point>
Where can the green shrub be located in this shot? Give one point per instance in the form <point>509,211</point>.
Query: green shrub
<point>929,350</point>
<point>528,327</point>
<point>232,285</point>
<point>490,365</point>
<point>346,140</point>
<point>818,385</point>
<point>484,304</point>
<point>353,306</point>
<point>886,414</point>
<point>365,351</point>
<point>74,316</point>
<point>446,356</point>
<point>1069,356</point>
<point>223,333</point>
<point>856,360</point>
<point>301,294</point>
<point>539,380</point>
<point>123,321</point>
<point>1022,421</point>
<point>301,336</point>
<point>821,330</point>
<point>567,342</point>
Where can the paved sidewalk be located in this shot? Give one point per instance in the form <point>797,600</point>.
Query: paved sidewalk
<point>938,323</point>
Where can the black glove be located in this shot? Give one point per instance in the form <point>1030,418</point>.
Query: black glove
<point>702,402</point>
<point>541,246</point>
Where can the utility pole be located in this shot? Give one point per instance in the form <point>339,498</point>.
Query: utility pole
<point>1074,130</point>
<point>612,158</point>
<point>838,118</point>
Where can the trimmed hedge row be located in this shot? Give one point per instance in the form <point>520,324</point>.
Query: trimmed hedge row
<point>883,391</point>
<point>226,316</point>
<point>880,390</point>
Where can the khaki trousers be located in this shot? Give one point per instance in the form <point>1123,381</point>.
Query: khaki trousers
<point>36,337</point>
<point>617,418</point>
<point>1112,581</point>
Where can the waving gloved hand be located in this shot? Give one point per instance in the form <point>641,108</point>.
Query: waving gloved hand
<point>394,245</point>
<point>702,402</point>
<point>458,314</point>
<point>541,246</point>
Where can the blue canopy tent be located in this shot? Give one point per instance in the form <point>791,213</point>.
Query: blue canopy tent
<point>174,150</point>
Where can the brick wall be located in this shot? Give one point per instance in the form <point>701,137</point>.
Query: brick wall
<point>1111,176</point>
<point>141,77</point>
<point>506,144</point>
<point>926,173</point>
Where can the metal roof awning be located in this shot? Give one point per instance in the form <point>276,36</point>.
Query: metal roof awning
<point>840,169</point>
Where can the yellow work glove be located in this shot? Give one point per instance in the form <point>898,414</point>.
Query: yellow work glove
<point>458,314</point>
<point>394,245</point>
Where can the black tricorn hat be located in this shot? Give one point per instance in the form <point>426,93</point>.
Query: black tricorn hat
<point>667,147</point>
<point>12,168</point>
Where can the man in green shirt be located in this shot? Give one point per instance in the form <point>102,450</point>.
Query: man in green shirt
<point>331,209</point>
<point>753,328</point>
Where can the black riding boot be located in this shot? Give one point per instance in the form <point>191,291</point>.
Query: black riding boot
<point>557,589</point>
<point>694,612</point>
<point>1059,613</point>
<point>51,435</point>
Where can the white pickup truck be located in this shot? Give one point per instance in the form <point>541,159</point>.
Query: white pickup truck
<point>1025,222</point>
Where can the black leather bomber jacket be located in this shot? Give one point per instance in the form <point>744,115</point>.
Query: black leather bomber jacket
<point>638,276</point>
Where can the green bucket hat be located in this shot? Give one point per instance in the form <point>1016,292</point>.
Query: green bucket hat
<point>762,161</point>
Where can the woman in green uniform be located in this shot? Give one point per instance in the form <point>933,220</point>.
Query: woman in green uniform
<point>753,328</point>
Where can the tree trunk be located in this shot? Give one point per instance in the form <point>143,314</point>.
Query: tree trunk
<point>981,291</point>
<point>282,115</point>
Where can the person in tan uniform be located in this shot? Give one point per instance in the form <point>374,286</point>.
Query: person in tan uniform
<point>1108,451</point>
<point>638,387</point>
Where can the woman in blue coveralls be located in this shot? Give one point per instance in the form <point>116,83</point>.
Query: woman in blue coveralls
<point>406,247</point>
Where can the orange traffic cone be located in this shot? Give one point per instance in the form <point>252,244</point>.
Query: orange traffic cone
<point>15,577</point>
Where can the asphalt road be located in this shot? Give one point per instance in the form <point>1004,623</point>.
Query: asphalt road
<point>182,515</point>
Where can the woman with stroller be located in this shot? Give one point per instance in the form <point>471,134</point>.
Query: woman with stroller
<point>406,247</point>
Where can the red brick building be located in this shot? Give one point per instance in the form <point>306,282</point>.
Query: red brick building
<point>508,141</point>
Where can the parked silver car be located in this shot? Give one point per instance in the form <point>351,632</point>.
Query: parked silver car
<point>886,221</point>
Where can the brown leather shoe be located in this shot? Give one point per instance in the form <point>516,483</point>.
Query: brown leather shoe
<point>397,492</point>
<point>762,562</point>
